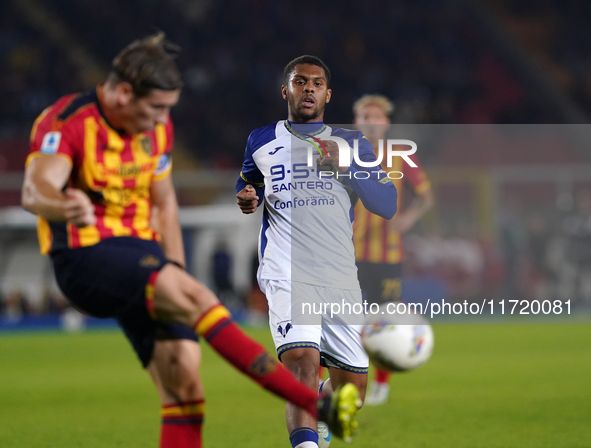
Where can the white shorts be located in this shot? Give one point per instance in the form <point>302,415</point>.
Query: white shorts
<point>339,345</point>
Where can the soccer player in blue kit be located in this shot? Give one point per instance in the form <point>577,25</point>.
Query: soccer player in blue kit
<point>306,243</point>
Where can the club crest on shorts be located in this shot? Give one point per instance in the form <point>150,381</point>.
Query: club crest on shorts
<point>149,261</point>
<point>146,144</point>
<point>284,327</point>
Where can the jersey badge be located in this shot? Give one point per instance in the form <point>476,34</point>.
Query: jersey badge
<point>283,331</point>
<point>263,365</point>
<point>51,143</point>
<point>163,164</point>
<point>146,143</point>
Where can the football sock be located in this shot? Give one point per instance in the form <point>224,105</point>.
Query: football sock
<point>304,438</point>
<point>382,376</point>
<point>251,358</point>
<point>181,425</point>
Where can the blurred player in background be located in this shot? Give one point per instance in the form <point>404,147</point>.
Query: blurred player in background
<point>306,253</point>
<point>378,242</point>
<point>99,177</point>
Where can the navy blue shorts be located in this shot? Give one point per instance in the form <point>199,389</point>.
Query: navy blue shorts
<point>380,282</point>
<point>109,280</point>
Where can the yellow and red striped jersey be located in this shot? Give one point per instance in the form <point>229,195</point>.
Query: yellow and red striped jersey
<point>374,241</point>
<point>113,167</point>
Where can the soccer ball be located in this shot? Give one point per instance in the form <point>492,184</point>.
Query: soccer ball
<point>397,342</point>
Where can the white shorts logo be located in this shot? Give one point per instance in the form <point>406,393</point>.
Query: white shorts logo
<point>284,327</point>
<point>51,143</point>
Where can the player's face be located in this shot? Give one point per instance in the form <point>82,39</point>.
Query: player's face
<point>143,114</point>
<point>372,121</point>
<point>306,93</point>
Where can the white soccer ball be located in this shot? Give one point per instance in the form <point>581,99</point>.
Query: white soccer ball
<point>397,342</point>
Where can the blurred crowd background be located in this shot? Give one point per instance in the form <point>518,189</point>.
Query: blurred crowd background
<point>511,224</point>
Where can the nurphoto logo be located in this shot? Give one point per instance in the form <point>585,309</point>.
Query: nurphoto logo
<point>392,150</point>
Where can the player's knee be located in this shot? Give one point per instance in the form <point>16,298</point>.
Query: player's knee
<point>306,372</point>
<point>189,389</point>
<point>181,297</point>
<point>197,293</point>
<point>198,297</point>
<point>302,363</point>
<point>185,385</point>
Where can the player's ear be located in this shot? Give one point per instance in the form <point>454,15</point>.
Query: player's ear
<point>328,95</point>
<point>124,93</point>
<point>284,93</point>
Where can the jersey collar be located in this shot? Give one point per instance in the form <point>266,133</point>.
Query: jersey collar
<point>303,130</point>
<point>99,98</point>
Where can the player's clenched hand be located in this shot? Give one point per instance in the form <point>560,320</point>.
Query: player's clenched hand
<point>332,148</point>
<point>78,209</point>
<point>248,200</point>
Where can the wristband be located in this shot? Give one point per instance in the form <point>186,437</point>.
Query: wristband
<point>176,263</point>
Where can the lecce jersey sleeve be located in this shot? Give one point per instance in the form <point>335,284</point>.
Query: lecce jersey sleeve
<point>165,142</point>
<point>53,137</point>
<point>416,177</point>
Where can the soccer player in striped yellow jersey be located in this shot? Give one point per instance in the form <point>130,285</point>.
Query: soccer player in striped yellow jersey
<point>99,178</point>
<point>379,252</point>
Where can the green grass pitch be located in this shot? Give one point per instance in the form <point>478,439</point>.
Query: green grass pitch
<point>485,386</point>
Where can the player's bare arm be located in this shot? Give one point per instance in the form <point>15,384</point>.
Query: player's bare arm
<point>405,220</point>
<point>248,200</point>
<point>166,219</point>
<point>43,193</point>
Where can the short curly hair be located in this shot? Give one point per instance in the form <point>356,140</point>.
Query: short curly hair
<point>306,59</point>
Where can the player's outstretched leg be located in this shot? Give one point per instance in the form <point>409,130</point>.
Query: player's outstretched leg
<point>174,295</point>
<point>251,358</point>
<point>338,410</point>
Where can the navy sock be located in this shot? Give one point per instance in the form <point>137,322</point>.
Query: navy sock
<point>303,434</point>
